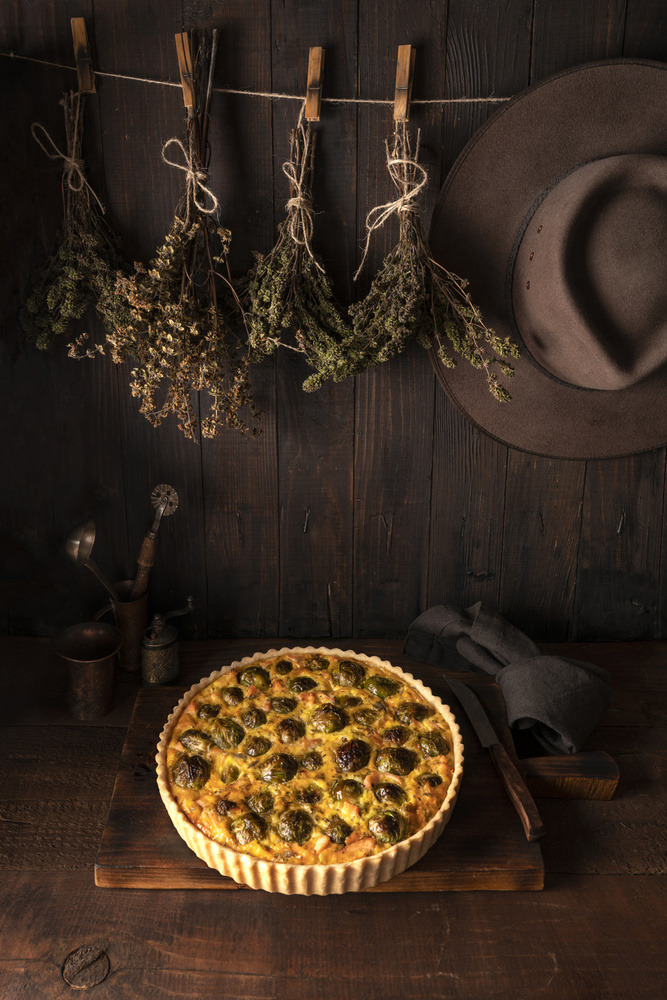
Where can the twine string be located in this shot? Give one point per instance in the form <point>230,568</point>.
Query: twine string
<point>195,178</point>
<point>271,95</point>
<point>299,207</point>
<point>409,178</point>
<point>73,167</point>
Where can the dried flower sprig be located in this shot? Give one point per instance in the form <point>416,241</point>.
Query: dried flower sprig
<point>290,298</point>
<point>186,328</point>
<point>81,269</point>
<point>413,296</point>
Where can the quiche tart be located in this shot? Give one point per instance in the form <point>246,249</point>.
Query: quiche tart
<point>310,770</point>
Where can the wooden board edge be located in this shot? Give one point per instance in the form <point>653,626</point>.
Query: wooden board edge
<point>529,879</point>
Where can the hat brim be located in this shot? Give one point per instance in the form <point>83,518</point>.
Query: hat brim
<point>593,111</point>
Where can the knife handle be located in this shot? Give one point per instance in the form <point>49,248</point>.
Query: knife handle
<point>517,791</point>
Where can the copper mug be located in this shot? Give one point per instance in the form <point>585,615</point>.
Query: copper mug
<point>91,651</point>
<point>131,618</point>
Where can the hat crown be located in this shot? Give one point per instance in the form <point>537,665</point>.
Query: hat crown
<point>588,280</point>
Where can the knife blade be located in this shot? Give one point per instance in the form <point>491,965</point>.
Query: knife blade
<point>515,787</point>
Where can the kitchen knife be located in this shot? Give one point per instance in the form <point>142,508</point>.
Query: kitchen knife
<point>510,777</point>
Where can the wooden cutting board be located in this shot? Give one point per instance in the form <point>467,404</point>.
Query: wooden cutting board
<point>482,847</point>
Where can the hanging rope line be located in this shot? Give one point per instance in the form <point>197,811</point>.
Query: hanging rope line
<point>271,95</point>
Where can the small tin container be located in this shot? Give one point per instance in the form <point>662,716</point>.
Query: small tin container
<point>159,649</point>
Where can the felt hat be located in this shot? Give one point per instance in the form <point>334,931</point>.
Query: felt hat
<point>556,213</point>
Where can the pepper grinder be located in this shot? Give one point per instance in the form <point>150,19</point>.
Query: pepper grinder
<point>159,648</point>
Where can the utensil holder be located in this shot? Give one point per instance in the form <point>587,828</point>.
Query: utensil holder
<point>131,618</point>
<point>91,652</point>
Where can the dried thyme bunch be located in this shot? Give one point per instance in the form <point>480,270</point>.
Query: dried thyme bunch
<point>413,296</point>
<point>289,297</point>
<point>185,329</point>
<point>85,258</point>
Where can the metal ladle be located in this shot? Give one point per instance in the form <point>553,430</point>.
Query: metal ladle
<point>79,545</point>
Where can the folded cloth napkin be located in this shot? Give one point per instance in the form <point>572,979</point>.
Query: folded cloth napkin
<point>558,699</point>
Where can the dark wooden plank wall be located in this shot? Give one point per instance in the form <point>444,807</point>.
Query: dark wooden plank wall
<point>368,501</point>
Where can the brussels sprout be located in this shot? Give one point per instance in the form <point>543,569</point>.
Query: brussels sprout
<point>260,803</point>
<point>248,827</point>
<point>395,760</point>
<point>208,711</point>
<point>256,676</point>
<point>295,825</point>
<point>432,744</point>
<point>337,830</point>
<point>301,683</point>
<point>253,718</point>
<point>226,733</point>
<point>223,807</point>
<point>412,711</point>
<point>279,767</point>
<point>195,740</point>
<point>346,790</point>
<point>389,793</point>
<point>316,662</point>
<point>283,705</point>
<point>312,760</point>
<point>328,719</point>
<point>232,696</point>
<point>347,700</point>
<point>230,773</point>
<point>365,716</point>
<point>348,673</point>
<point>190,771</point>
<point>429,780</point>
<point>387,827</point>
<point>256,746</point>
<point>397,735</point>
<point>382,687</point>
<point>290,729</point>
<point>283,667</point>
<point>352,755</point>
<point>309,795</point>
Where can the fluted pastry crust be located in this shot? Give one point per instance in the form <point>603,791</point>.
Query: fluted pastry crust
<point>359,777</point>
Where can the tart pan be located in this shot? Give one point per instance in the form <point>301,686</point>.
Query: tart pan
<point>313,879</point>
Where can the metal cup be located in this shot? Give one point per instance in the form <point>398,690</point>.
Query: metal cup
<point>91,651</point>
<point>131,618</point>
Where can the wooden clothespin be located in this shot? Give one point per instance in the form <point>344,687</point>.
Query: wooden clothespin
<point>84,64</point>
<point>314,85</point>
<point>184,54</point>
<point>405,66</point>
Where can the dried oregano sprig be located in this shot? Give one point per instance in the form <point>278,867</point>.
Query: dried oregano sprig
<point>81,269</point>
<point>289,297</point>
<point>185,329</point>
<point>413,296</point>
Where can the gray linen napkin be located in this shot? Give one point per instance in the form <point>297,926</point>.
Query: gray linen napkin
<point>560,700</point>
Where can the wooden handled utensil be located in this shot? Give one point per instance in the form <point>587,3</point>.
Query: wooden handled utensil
<point>514,784</point>
<point>165,500</point>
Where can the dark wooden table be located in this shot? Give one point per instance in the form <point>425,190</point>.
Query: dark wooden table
<point>596,930</point>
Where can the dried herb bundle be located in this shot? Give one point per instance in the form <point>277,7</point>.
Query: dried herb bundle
<point>290,299</point>
<point>85,258</point>
<point>185,327</point>
<point>413,296</point>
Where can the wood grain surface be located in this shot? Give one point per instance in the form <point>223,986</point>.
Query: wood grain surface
<point>598,935</point>
<point>369,500</point>
<point>596,930</point>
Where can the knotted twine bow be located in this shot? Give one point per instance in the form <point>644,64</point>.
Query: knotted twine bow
<point>73,167</point>
<point>195,178</point>
<point>299,207</point>
<point>408,176</point>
